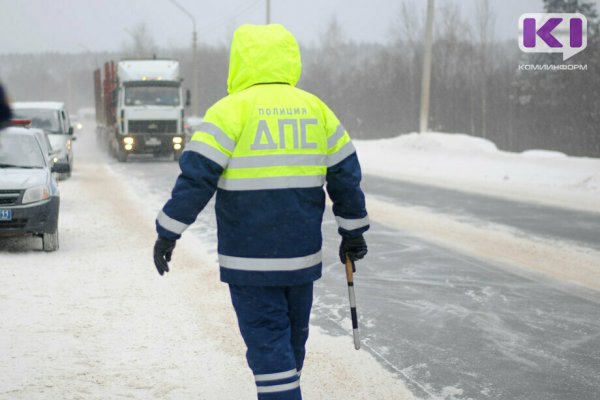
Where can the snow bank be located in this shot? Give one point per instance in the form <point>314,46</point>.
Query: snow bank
<point>544,154</point>
<point>469,163</point>
<point>436,141</point>
<point>94,320</point>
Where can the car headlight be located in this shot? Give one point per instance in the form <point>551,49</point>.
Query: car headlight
<point>37,193</point>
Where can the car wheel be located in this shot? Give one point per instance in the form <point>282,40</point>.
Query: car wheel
<point>67,174</point>
<point>50,241</point>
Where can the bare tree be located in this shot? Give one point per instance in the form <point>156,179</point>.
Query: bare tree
<point>486,25</point>
<point>412,33</point>
<point>142,44</point>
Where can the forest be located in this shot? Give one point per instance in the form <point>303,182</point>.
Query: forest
<point>481,86</point>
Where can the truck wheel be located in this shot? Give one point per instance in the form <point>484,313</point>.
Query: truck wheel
<point>50,241</point>
<point>122,155</point>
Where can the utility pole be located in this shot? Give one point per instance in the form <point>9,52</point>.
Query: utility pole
<point>268,12</point>
<point>195,89</point>
<point>426,78</point>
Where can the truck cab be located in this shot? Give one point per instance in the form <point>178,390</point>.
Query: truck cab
<point>149,107</point>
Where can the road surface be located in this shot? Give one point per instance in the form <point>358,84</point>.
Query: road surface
<point>575,227</point>
<point>452,326</point>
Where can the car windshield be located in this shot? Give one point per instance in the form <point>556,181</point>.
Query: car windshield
<point>152,96</point>
<point>40,118</point>
<point>20,151</point>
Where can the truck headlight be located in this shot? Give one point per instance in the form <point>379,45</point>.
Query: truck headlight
<point>37,193</point>
<point>177,140</point>
<point>128,140</point>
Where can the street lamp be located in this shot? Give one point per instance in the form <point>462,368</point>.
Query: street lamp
<point>194,59</point>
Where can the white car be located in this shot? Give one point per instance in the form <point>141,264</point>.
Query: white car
<point>52,118</point>
<point>29,195</point>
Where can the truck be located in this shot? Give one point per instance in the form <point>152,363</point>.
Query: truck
<point>140,108</point>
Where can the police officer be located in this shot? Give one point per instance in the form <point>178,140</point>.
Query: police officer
<point>267,149</point>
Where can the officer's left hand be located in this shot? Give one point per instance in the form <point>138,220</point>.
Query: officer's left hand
<point>163,249</point>
<point>355,248</point>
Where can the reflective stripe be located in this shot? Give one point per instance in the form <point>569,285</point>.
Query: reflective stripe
<point>277,160</point>
<point>278,388</point>
<point>337,135</point>
<point>269,264</point>
<point>218,134</point>
<point>207,151</point>
<point>340,154</point>
<point>350,224</point>
<point>276,182</point>
<point>171,224</point>
<point>275,376</point>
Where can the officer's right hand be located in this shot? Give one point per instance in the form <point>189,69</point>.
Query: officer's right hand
<point>355,248</point>
<point>163,250</point>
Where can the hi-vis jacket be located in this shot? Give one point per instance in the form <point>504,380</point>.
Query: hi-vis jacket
<point>267,149</point>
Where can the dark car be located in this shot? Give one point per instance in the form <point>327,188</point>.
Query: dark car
<point>29,196</point>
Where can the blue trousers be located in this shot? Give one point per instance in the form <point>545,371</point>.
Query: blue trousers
<point>274,321</point>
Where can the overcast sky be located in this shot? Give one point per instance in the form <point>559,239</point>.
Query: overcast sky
<point>81,25</point>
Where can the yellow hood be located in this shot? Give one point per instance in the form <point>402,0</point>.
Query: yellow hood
<point>263,54</point>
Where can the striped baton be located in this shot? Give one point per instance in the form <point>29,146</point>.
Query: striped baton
<point>350,269</point>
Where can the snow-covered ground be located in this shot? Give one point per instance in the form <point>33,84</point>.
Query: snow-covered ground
<point>94,320</point>
<point>474,164</point>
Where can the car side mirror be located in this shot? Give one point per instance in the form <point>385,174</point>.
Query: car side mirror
<point>188,97</point>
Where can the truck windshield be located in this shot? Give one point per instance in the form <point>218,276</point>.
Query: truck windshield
<point>40,118</point>
<point>152,96</point>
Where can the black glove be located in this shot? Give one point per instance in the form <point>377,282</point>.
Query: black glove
<point>163,249</point>
<point>355,248</point>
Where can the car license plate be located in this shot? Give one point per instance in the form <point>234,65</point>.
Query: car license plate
<point>5,215</point>
<point>152,142</point>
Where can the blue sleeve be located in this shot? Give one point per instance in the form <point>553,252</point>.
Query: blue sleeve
<point>193,190</point>
<point>343,187</point>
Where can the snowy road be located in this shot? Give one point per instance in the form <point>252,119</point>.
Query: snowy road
<point>579,228</point>
<point>451,326</point>
<point>95,321</point>
<point>82,322</point>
